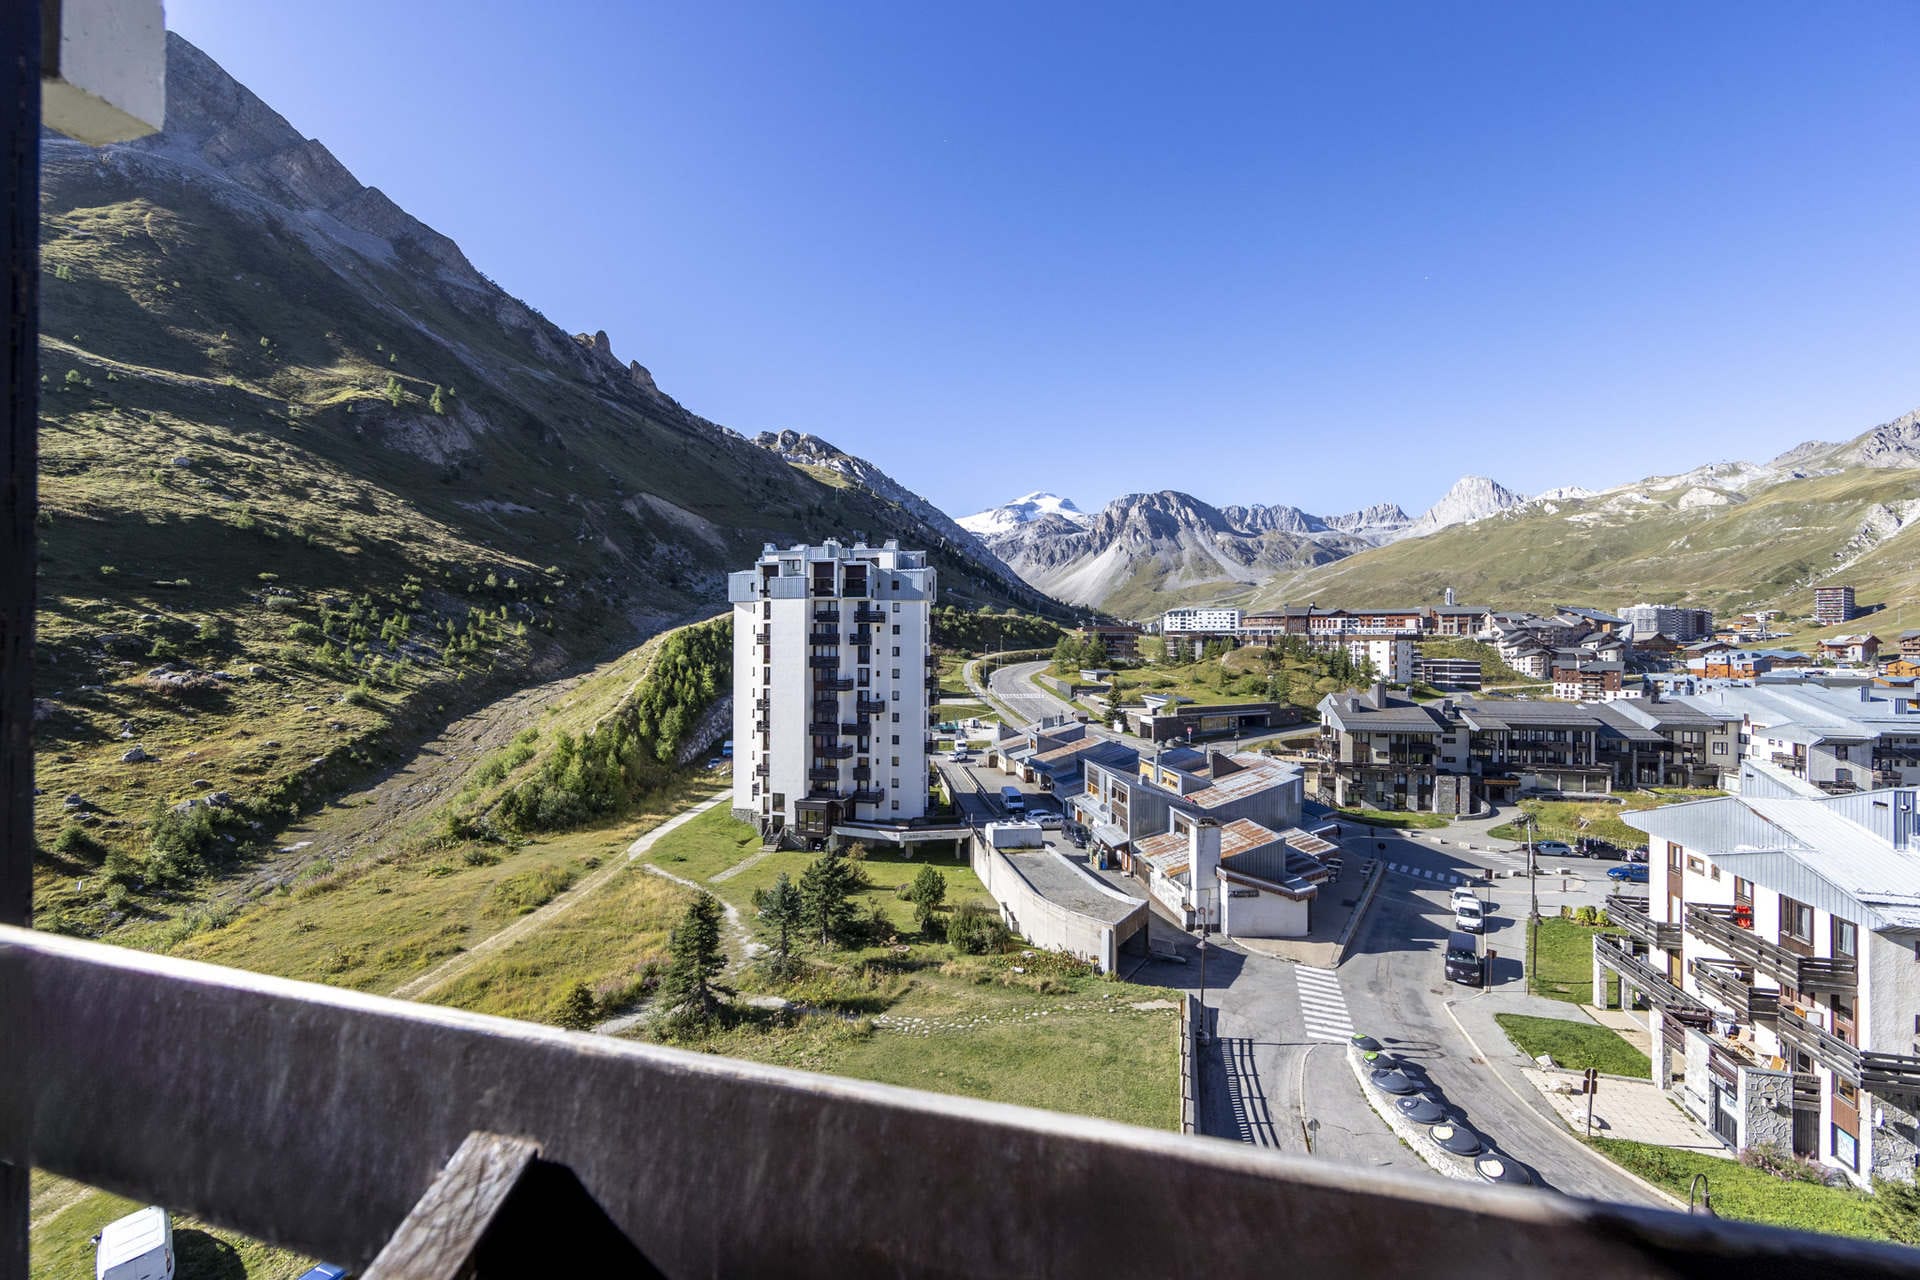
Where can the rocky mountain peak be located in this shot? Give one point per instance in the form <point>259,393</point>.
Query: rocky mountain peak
<point>1471,498</point>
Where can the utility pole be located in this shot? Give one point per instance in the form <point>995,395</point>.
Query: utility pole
<point>1533,907</point>
<point>1202,1030</point>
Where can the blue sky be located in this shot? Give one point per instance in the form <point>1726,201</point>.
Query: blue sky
<point>1317,254</point>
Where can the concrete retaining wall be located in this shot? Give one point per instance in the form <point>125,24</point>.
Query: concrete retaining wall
<point>1042,922</point>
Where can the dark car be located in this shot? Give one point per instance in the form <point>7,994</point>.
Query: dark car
<point>1631,873</point>
<point>1463,959</point>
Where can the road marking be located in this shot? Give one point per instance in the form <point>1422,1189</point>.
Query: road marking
<point>1322,1004</point>
<point>1426,873</point>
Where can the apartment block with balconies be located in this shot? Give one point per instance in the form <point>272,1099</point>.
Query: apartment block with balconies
<point>832,687</point>
<point>1778,947</point>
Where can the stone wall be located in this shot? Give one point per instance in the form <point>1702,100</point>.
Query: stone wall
<point>1766,1109</point>
<point>1893,1144</point>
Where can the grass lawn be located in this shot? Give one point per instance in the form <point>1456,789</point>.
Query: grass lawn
<point>1565,966</point>
<point>1399,821</point>
<point>374,923</point>
<point>952,678</point>
<point>1569,820</point>
<point>65,1215</point>
<point>705,846</point>
<point>608,941</point>
<point>915,1013</point>
<point>1578,1045</point>
<point>970,1027</point>
<point>1750,1195</point>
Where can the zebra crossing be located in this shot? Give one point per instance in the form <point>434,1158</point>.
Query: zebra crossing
<point>1322,1005</point>
<point>1428,873</point>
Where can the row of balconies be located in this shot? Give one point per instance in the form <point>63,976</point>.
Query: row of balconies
<point>1865,1068</point>
<point>1722,926</point>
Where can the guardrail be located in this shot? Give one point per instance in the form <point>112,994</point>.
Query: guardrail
<point>1189,1065</point>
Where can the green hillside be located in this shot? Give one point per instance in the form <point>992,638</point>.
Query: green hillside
<point>1765,548</point>
<point>312,487</point>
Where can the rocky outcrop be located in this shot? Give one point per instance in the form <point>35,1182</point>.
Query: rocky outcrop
<point>1471,498</point>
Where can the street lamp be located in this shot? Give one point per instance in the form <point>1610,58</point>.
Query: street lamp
<point>1533,904</point>
<point>1202,1030</point>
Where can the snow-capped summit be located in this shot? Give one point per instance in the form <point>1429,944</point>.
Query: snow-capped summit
<point>1022,510</point>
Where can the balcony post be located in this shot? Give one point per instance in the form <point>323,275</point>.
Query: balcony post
<point>20,57</point>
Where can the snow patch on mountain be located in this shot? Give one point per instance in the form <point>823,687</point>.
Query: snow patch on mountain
<point>1022,510</point>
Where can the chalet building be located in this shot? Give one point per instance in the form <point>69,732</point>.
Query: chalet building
<point>1239,877</point>
<point>1853,650</point>
<point>1458,755</point>
<point>1579,678</point>
<point>1910,645</point>
<point>1122,643</point>
<point>1121,802</point>
<point>1851,738</point>
<point>1776,947</point>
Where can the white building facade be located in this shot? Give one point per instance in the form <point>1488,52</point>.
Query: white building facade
<point>832,677</point>
<point>1781,955</point>
<point>1191,621</point>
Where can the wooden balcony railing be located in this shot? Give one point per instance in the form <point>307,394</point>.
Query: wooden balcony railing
<point>1652,983</point>
<point>1867,1068</point>
<point>1633,915</point>
<point>1733,986</point>
<point>316,1118</point>
<point>1716,923</point>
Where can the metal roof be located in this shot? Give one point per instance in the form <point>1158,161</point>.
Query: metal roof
<point>1837,853</point>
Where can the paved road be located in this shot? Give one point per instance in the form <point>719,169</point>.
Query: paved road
<point>1013,684</point>
<point>1396,991</point>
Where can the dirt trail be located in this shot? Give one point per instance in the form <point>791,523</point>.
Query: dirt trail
<point>381,810</point>
<point>453,967</point>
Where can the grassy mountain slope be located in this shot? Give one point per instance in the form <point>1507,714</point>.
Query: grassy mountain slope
<point>1727,550</point>
<point>312,485</point>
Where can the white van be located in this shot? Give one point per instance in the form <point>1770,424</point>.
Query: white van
<point>136,1247</point>
<point>1469,916</point>
<point>1013,800</point>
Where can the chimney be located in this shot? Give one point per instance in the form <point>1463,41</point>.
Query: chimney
<point>1379,693</point>
<point>1449,597</point>
<point>1203,859</point>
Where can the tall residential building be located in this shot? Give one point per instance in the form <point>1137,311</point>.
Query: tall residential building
<point>1833,604</point>
<point>1673,621</point>
<point>832,678</point>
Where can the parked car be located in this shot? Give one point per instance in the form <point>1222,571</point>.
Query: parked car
<point>1461,893</point>
<point>961,755</point>
<point>136,1247</point>
<point>1048,820</point>
<point>1630,872</point>
<point>1470,916</point>
<point>1463,959</point>
<point>325,1271</point>
<point>1552,849</point>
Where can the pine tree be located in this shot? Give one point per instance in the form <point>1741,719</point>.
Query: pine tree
<point>780,906</point>
<point>927,892</point>
<point>394,392</point>
<point>827,887</point>
<point>438,402</point>
<point>576,1010</point>
<point>694,960</point>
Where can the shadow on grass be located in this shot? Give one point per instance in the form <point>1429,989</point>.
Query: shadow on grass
<point>206,1257</point>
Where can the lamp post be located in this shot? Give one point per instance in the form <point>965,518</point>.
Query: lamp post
<point>1201,1031</point>
<point>1533,905</point>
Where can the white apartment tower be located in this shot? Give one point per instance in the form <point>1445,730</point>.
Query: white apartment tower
<point>832,678</point>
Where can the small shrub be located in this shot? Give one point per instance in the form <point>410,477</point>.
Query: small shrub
<point>305,633</point>
<point>77,843</point>
<point>975,931</point>
<point>479,857</point>
<point>577,1010</point>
